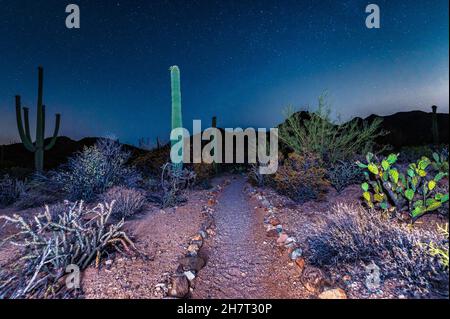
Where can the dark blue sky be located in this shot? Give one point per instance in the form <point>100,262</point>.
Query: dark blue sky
<point>243,61</point>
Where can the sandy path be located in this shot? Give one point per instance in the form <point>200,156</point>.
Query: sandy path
<point>243,262</point>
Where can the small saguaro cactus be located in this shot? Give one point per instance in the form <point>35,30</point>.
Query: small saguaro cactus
<point>214,125</point>
<point>177,119</point>
<point>434,126</point>
<point>38,146</point>
<point>158,143</point>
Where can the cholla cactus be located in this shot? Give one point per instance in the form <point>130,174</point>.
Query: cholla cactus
<point>77,236</point>
<point>414,191</point>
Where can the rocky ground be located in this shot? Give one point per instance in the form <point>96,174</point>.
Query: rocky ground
<point>232,241</point>
<point>162,236</point>
<point>242,261</point>
<point>296,222</point>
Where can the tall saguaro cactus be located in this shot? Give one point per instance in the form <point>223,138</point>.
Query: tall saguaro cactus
<point>38,146</point>
<point>177,119</point>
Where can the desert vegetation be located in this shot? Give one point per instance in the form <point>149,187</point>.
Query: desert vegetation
<point>347,201</point>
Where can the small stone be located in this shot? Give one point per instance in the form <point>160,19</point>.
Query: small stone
<point>279,228</point>
<point>313,279</point>
<point>282,238</point>
<point>179,287</point>
<point>296,254</point>
<point>192,263</point>
<point>210,232</point>
<point>274,221</point>
<point>108,262</point>
<point>193,249</point>
<point>289,241</point>
<point>272,232</point>
<point>300,262</point>
<point>189,275</point>
<point>265,203</point>
<point>336,293</point>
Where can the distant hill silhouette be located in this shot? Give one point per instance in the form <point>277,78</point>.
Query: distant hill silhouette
<point>405,129</point>
<point>412,128</point>
<point>17,155</point>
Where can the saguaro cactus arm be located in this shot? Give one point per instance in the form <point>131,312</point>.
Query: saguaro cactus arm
<point>24,133</point>
<point>26,112</point>
<point>55,132</point>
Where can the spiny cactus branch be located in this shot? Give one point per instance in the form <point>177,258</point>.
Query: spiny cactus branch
<point>23,135</point>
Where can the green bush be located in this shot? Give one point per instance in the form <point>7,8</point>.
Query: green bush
<point>413,189</point>
<point>322,136</point>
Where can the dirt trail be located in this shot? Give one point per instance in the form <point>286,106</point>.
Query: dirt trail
<point>243,262</point>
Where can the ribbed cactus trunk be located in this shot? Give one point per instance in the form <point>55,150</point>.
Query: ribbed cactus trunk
<point>214,125</point>
<point>2,155</point>
<point>158,143</point>
<point>38,146</point>
<point>434,126</point>
<point>177,119</point>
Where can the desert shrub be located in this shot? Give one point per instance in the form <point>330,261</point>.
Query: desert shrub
<point>440,249</point>
<point>173,186</point>
<point>409,154</point>
<point>254,176</point>
<point>40,189</point>
<point>50,243</point>
<point>343,174</point>
<point>127,201</point>
<point>10,190</point>
<point>150,164</point>
<point>440,160</point>
<point>320,135</point>
<point>414,190</point>
<point>301,178</point>
<point>94,170</point>
<point>20,173</point>
<point>203,174</point>
<point>351,236</point>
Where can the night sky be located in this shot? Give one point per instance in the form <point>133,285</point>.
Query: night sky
<point>242,60</point>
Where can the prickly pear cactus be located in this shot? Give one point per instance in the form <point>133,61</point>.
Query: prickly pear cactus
<point>414,190</point>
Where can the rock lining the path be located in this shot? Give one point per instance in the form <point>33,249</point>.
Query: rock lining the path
<point>312,278</point>
<point>182,283</point>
